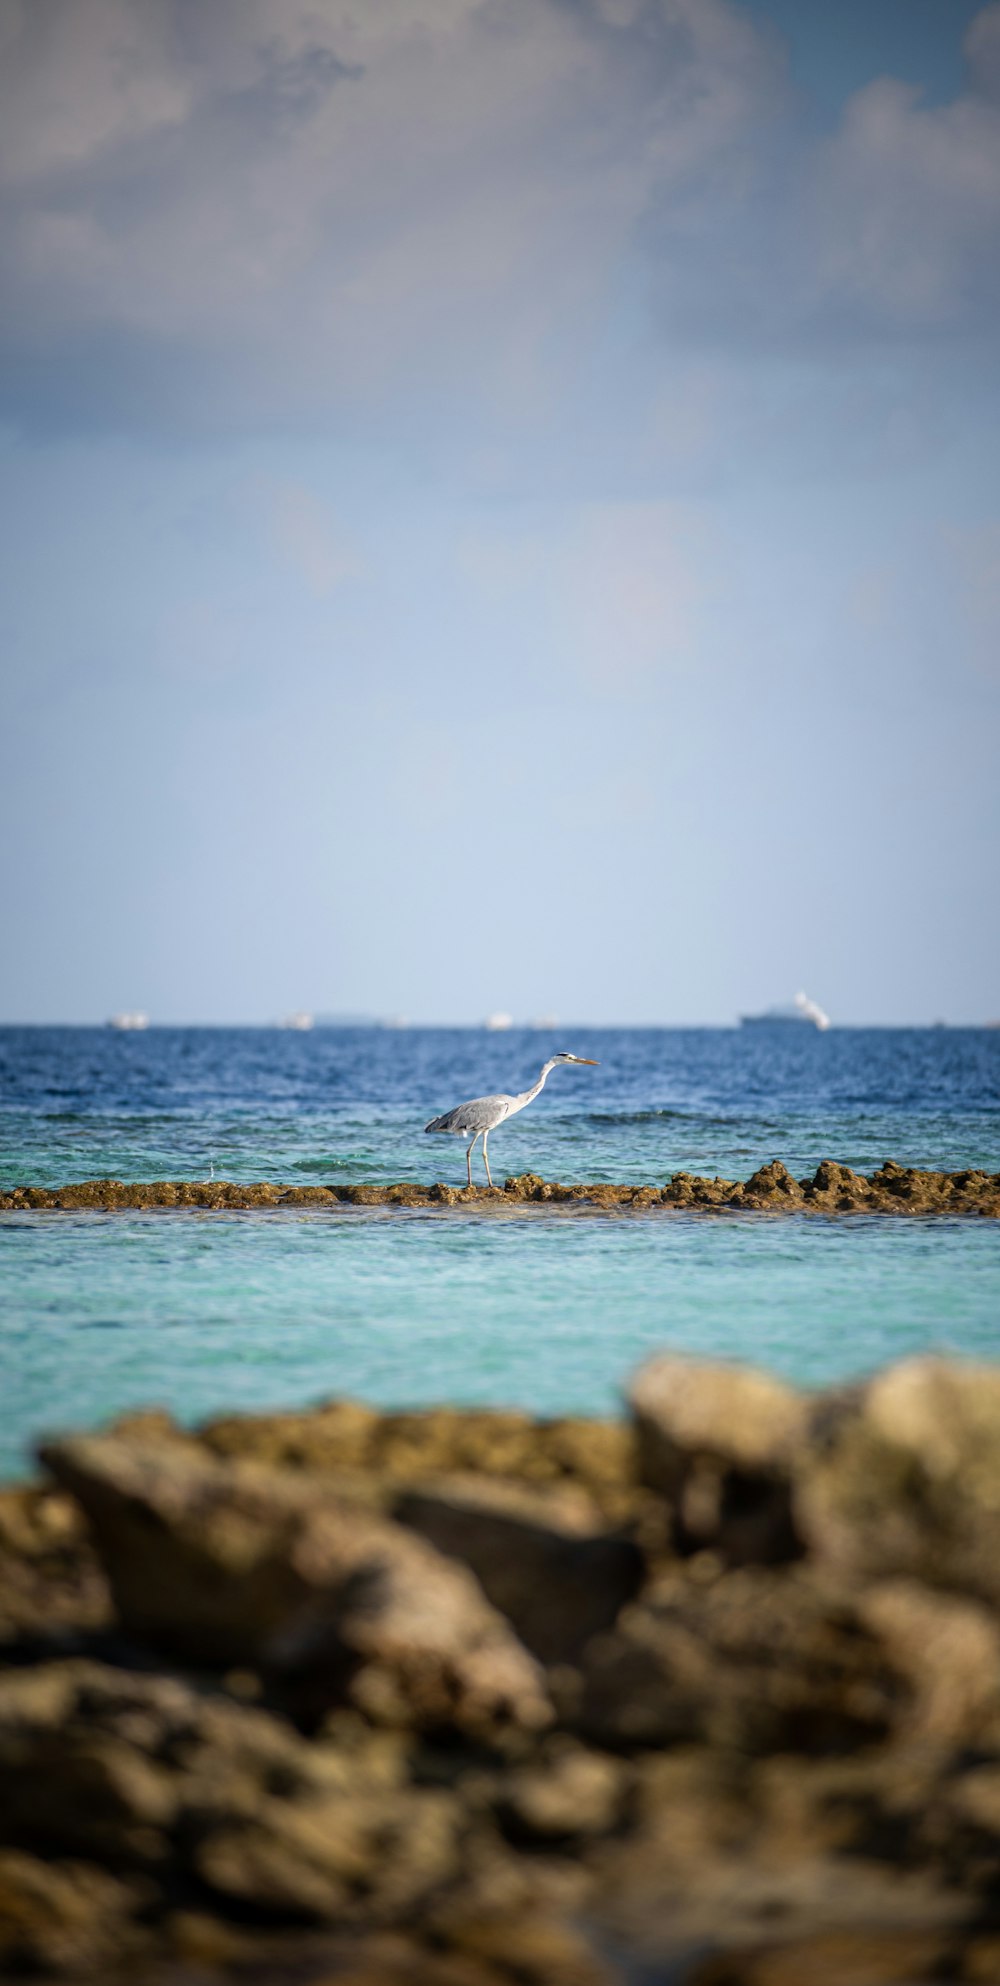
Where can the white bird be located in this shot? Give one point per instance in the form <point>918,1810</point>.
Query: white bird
<point>484,1113</point>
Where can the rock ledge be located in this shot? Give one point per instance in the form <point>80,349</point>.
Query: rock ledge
<point>832,1189</point>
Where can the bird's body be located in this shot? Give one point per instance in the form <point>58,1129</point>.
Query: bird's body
<point>482,1114</point>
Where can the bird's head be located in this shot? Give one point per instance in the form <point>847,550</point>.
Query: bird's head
<point>587,1059</point>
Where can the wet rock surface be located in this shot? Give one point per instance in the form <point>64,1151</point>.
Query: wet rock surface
<point>708,1696</point>
<point>832,1189</point>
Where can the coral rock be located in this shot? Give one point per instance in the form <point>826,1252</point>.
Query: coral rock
<point>904,1477</point>
<point>545,1561</point>
<point>231,1563</point>
<point>720,1442</point>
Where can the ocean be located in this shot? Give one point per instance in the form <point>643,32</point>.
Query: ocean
<point>545,1309</point>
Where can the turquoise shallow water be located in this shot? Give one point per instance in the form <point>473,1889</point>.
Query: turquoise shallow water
<point>546,1310</point>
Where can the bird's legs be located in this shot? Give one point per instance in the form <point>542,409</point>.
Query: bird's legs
<point>468,1158</point>
<point>486,1161</point>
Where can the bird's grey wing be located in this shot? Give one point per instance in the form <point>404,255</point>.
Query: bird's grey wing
<point>481,1114</point>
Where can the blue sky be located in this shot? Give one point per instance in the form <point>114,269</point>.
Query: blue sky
<point>501,508</point>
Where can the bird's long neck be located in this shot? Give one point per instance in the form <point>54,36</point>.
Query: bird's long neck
<point>528,1096</point>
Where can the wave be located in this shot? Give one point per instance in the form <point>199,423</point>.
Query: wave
<point>612,1119</point>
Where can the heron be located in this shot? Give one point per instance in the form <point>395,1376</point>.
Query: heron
<point>483,1113</point>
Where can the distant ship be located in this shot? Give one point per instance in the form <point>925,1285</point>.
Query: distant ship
<point>350,1020</point>
<point>128,1023</point>
<point>497,1022</point>
<point>301,1023</point>
<point>802,1012</point>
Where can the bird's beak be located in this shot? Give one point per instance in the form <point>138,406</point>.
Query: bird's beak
<point>588,1059</point>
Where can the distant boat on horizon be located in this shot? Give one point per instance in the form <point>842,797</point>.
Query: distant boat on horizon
<point>803,1012</point>
<point>300,1023</point>
<point>129,1023</point>
<point>352,1020</point>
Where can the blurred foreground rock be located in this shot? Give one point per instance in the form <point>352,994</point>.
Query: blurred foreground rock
<point>710,1696</point>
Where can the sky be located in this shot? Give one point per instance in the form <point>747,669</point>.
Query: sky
<point>501,508</point>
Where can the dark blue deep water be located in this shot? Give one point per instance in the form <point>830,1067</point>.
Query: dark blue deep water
<point>549,1309</point>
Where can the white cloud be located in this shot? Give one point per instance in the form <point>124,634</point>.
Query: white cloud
<point>329,203</point>
<point>79,80</point>
<point>905,204</point>
<point>451,222</point>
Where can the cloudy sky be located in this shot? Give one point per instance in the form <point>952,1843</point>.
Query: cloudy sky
<point>501,507</point>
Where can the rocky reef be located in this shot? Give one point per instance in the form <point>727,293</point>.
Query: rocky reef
<point>707,1696</point>
<point>832,1189</point>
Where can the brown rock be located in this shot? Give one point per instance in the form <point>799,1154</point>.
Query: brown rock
<point>152,1424</point>
<point>720,1441</point>
<point>102,1761</point>
<point>570,1793</point>
<point>981,1961</point>
<point>382,1958</point>
<point>410,1445</point>
<point>757,1660</point>
<point>976,1796</point>
<point>233,1563</point>
<point>908,1189</point>
<point>773,1770</point>
<point>905,1477</point>
<point>833,1189</point>
<point>373,1857</point>
<point>836,1189</point>
<point>686,1407</point>
<point>596,1454</point>
<point>772,1185</point>
<point>948,1650</point>
<point>207,1943</point>
<point>52,1587</point>
<point>146,1772</point>
<point>849,1957</point>
<point>703,1872</point>
<point>685,1189</point>
<point>329,1438</point>
<point>531,1949</point>
<point>345,1439</point>
<point>546,1561</point>
<point>64,1917</point>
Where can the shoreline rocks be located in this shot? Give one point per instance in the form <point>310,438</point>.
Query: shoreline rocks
<point>832,1189</point>
<point>710,1694</point>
